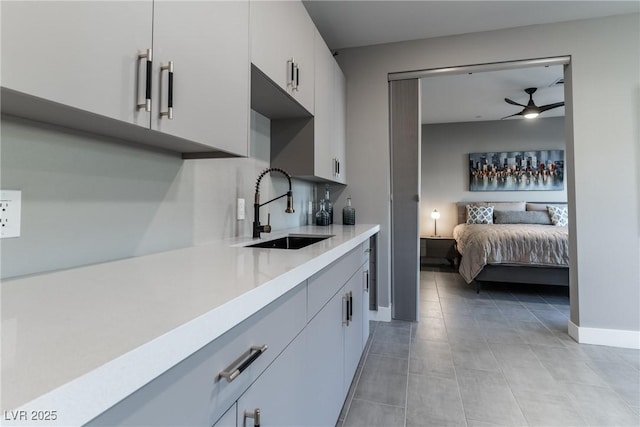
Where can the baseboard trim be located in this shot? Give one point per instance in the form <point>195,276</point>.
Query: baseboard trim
<point>608,337</point>
<point>383,314</point>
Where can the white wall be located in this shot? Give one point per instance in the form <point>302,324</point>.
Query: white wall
<point>602,112</point>
<point>445,161</point>
<point>87,199</point>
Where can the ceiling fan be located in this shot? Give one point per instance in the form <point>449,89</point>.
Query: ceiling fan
<point>531,110</point>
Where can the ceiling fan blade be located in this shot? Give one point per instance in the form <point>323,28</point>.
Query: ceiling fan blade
<point>516,114</point>
<point>551,106</point>
<point>508,101</point>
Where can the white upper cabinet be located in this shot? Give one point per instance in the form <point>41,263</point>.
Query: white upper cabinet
<point>282,47</point>
<point>207,45</point>
<point>91,59</point>
<point>82,54</point>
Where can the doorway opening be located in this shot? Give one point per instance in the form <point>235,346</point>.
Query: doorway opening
<point>461,111</point>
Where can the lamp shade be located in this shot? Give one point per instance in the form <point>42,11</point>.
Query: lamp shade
<point>435,214</point>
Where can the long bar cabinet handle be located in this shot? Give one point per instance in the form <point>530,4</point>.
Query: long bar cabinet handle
<point>243,362</point>
<point>169,112</point>
<point>148,55</point>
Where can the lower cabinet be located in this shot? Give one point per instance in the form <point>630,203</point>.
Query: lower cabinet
<point>312,339</point>
<point>229,418</point>
<point>282,396</point>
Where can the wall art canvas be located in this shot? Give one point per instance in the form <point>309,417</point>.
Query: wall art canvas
<point>541,170</point>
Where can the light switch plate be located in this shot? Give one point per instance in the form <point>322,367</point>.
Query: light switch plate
<point>10,206</point>
<point>240,210</point>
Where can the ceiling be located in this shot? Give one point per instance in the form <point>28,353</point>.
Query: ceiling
<point>464,97</point>
<point>480,96</point>
<point>352,23</point>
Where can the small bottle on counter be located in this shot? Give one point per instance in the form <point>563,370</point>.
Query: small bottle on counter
<point>327,203</point>
<point>348,214</point>
<point>322,216</point>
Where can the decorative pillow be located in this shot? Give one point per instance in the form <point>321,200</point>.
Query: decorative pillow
<point>518,217</point>
<point>479,214</point>
<point>559,215</point>
<point>502,206</point>
<point>543,206</point>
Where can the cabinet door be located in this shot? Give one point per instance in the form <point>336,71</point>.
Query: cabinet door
<point>339,122</point>
<point>302,48</point>
<point>323,129</point>
<point>353,332</point>
<point>270,39</point>
<point>282,394</point>
<point>83,54</point>
<point>208,43</point>
<point>325,354</point>
<point>228,419</point>
<point>281,31</point>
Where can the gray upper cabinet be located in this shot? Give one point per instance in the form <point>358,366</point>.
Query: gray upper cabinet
<point>330,117</point>
<point>282,41</point>
<point>315,148</point>
<point>80,54</point>
<point>207,44</point>
<point>84,65</point>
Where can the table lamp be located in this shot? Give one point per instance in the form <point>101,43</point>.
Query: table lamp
<point>435,215</point>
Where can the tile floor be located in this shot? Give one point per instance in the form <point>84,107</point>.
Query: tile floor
<point>500,358</point>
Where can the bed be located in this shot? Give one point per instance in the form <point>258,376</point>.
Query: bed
<point>514,242</point>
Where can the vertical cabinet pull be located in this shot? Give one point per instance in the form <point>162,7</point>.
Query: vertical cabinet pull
<point>291,78</point>
<point>148,55</point>
<point>241,363</point>
<point>295,87</point>
<point>169,69</point>
<point>255,415</point>
<point>338,161</point>
<point>345,299</point>
<point>350,306</point>
<point>366,280</point>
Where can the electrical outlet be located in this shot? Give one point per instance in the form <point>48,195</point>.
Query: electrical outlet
<point>240,214</point>
<point>10,204</point>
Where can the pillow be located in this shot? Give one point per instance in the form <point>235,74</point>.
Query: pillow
<point>479,214</point>
<point>559,215</point>
<point>543,206</point>
<point>517,217</point>
<point>502,206</point>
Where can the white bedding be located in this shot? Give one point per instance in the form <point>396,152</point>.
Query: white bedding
<point>515,244</point>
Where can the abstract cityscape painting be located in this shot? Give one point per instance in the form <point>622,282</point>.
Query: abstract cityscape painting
<point>541,170</point>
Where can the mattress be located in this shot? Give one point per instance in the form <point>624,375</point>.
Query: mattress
<point>514,244</point>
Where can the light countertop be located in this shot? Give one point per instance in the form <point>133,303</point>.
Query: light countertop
<point>78,341</point>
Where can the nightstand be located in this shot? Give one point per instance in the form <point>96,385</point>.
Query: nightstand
<point>438,248</point>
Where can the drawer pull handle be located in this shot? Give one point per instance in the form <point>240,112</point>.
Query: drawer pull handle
<point>249,356</point>
<point>255,415</point>
<point>146,105</point>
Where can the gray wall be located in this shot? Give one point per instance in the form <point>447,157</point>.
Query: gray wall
<point>87,199</point>
<point>445,161</point>
<point>602,113</point>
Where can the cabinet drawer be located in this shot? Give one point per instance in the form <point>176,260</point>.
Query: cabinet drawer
<point>188,394</point>
<point>324,284</point>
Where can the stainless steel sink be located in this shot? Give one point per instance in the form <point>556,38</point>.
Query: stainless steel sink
<point>291,241</point>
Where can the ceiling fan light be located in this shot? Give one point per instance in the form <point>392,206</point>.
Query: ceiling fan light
<point>531,115</point>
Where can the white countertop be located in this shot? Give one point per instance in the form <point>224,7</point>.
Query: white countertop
<point>78,341</point>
